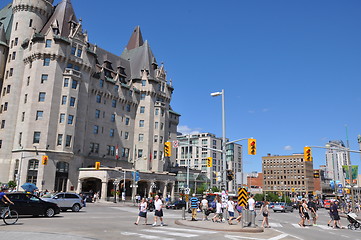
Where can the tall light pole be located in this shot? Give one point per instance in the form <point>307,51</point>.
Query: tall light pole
<point>224,163</point>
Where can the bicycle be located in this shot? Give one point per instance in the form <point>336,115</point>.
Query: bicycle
<point>9,216</point>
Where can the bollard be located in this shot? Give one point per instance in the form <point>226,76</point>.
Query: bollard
<point>183,213</point>
<point>253,218</point>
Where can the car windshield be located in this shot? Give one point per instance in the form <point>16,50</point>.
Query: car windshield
<point>48,195</point>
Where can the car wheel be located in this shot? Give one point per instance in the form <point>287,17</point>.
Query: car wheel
<point>50,212</point>
<point>75,208</point>
<point>292,210</point>
<point>274,211</point>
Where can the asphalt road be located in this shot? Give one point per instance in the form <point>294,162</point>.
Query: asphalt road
<point>116,221</point>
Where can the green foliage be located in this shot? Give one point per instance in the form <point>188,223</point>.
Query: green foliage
<point>202,188</point>
<point>12,184</point>
<point>271,197</point>
<point>215,189</point>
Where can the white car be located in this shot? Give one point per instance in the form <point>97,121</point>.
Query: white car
<point>65,201</point>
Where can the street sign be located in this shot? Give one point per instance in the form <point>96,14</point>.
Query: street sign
<point>187,190</point>
<point>242,197</point>
<point>136,177</point>
<point>175,144</point>
<point>339,185</point>
<point>293,189</point>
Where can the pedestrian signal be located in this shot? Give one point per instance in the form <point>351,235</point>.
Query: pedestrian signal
<point>307,154</point>
<point>209,162</point>
<point>44,159</point>
<point>230,175</point>
<point>251,146</point>
<point>97,165</point>
<point>167,149</point>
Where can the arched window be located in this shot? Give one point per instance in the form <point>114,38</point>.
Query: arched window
<point>61,176</point>
<point>32,171</point>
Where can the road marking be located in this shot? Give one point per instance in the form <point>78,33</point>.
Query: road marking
<point>144,236</point>
<point>189,230</point>
<point>279,236</point>
<point>298,226</point>
<point>275,225</point>
<point>186,235</point>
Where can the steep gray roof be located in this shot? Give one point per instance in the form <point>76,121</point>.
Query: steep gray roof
<point>6,19</point>
<point>140,58</point>
<point>2,36</point>
<point>136,40</point>
<point>62,17</point>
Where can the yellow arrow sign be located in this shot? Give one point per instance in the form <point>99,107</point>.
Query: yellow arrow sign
<point>242,197</point>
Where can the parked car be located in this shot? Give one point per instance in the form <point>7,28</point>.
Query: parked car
<point>29,204</point>
<point>65,201</point>
<point>271,205</point>
<point>282,207</point>
<point>176,205</point>
<point>258,204</point>
<point>88,196</point>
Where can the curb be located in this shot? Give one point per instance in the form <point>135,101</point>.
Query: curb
<point>246,229</point>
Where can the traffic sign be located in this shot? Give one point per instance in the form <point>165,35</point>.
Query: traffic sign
<point>339,185</point>
<point>293,189</point>
<point>187,190</point>
<point>242,197</point>
<point>175,144</point>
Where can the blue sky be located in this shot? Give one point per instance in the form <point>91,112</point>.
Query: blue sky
<point>290,69</point>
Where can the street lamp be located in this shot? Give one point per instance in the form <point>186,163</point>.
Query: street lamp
<point>224,163</point>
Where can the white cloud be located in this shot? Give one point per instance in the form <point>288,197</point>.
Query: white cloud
<point>288,148</point>
<point>188,130</point>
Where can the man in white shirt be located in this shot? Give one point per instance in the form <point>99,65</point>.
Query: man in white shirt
<point>251,206</point>
<point>204,207</point>
<point>158,205</point>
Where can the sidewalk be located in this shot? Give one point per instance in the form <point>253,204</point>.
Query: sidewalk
<point>218,226</point>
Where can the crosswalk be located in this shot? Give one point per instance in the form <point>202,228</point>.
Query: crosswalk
<point>295,225</point>
<point>166,233</point>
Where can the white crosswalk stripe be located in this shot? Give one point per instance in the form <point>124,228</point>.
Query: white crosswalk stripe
<point>166,233</point>
<point>171,233</point>
<point>275,225</point>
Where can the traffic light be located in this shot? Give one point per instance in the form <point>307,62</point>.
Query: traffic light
<point>209,162</point>
<point>251,146</point>
<point>230,175</point>
<point>307,154</point>
<point>218,176</point>
<point>97,165</point>
<point>44,159</point>
<point>316,173</point>
<point>167,149</point>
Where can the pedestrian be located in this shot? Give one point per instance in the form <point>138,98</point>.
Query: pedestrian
<point>306,210</point>
<point>158,205</point>
<point>239,209</point>
<point>194,206</point>
<point>95,197</point>
<point>313,209</point>
<point>142,211</point>
<point>265,212</point>
<point>301,211</point>
<point>204,208</point>
<point>230,208</point>
<point>336,216</point>
<point>331,214</point>
<point>218,215</point>
<point>251,207</point>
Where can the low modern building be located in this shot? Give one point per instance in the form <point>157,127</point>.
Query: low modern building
<point>289,173</point>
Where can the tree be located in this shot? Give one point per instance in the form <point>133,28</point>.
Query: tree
<point>12,184</point>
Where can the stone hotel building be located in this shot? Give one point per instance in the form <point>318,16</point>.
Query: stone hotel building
<point>68,99</point>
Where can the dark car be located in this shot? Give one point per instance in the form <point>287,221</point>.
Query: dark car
<point>258,204</point>
<point>176,205</point>
<point>29,204</point>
